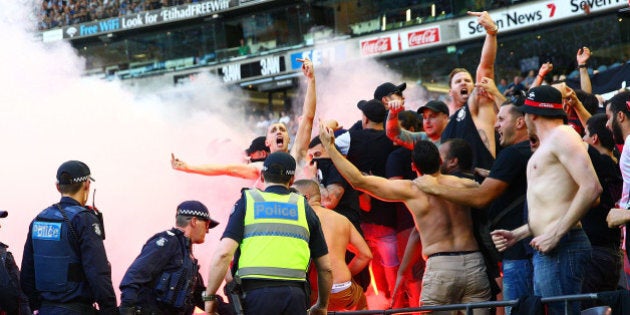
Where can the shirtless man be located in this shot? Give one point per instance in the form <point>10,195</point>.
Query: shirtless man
<point>455,270</point>
<point>561,187</point>
<point>277,139</point>
<point>340,234</point>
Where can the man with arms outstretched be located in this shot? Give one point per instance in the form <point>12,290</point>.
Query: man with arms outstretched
<point>445,228</point>
<point>277,139</point>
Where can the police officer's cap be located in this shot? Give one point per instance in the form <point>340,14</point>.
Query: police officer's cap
<point>279,163</point>
<point>197,209</point>
<point>75,172</point>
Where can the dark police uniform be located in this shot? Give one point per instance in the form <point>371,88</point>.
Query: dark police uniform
<point>164,278</point>
<point>64,267</point>
<point>278,292</point>
<point>12,300</point>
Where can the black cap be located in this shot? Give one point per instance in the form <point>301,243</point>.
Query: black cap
<point>197,209</point>
<point>257,144</point>
<point>436,106</point>
<point>279,163</point>
<point>3,214</point>
<point>373,110</point>
<point>543,100</point>
<point>75,172</point>
<point>388,88</point>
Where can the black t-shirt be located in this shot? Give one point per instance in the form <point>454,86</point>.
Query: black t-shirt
<point>368,151</point>
<point>399,165</point>
<point>511,167</point>
<point>594,221</point>
<point>348,205</point>
<point>461,125</point>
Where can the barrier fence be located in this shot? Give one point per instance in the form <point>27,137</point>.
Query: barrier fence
<point>469,307</point>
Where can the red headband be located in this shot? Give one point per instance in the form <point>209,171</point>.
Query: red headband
<point>531,103</point>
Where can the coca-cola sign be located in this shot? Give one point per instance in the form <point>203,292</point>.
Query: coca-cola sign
<point>423,37</point>
<point>376,46</point>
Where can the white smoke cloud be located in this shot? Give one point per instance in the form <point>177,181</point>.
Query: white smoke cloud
<point>50,113</point>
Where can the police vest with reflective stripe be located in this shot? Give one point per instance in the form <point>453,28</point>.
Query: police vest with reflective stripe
<point>275,241</point>
<point>56,261</point>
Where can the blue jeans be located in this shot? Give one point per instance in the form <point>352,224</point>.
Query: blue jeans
<point>383,239</point>
<point>517,279</point>
<point>561,271</point>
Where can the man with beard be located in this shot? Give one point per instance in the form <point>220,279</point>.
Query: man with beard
<point>503,192</point>
<point>277,139</point>
<point>471,118</point>
<point>618,113</point>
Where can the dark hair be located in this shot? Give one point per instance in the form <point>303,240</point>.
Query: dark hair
<point>461,150</point>
<point>596,125</point>
<point>314,142</point>
<point>516,99</point>
<point>426,157</point>
<point>276,178</point>
<point>68,189</point>
<point>409,119</point>
<point>589,100</point>
<point>619,103</point>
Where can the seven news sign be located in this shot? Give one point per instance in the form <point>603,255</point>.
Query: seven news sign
<point>522,16</point>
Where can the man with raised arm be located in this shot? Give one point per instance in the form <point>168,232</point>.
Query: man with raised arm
<point>472,119</point>
<point>277,139</point>
<point>455,270</point>
<point>340,234</point>
<point>561,187</point>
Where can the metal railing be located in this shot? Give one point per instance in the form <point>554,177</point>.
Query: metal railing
<point>469,307</point>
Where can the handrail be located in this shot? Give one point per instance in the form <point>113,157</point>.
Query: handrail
<point>468,307</point>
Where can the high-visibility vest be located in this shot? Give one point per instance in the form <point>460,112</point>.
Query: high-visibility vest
<point>276,236</point>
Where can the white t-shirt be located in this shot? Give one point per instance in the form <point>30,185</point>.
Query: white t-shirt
<point>624,166</point>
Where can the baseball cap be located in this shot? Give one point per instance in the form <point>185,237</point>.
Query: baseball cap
<point>388,88</point>
<point>373,110</point>
<point>197,209</point>
<point>76,172</point>
<point>436,106</point>
<point>279,163</point>
<point>543,100</point>
<point>257,144</point>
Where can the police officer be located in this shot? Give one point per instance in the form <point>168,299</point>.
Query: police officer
<point>64,265</point>
<point>276,233</point>
<point>164,278</point>
<point>12,299</point>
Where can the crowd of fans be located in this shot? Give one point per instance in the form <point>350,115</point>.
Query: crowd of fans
<point>59,13</point>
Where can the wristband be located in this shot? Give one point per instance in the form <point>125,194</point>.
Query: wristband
<point>493,31</point>
<point>582,66</point>
<point>210,297</point>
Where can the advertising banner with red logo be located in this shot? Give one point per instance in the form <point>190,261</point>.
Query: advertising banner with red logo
<point>379,45</point>
<point>420,37</point>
